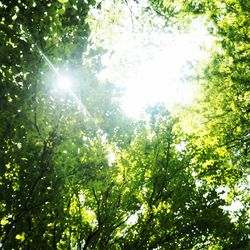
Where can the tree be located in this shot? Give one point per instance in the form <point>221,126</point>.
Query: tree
<point>42,129</point>
<point>171,204</point>
<point>60,188</point>
<point>217,124</point>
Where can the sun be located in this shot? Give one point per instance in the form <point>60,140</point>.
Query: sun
<point>64,82</point>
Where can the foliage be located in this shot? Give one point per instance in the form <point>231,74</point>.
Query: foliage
<point>217,124</point>
<point>60,187</point>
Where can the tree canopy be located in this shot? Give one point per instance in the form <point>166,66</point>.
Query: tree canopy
<point>77,173</point>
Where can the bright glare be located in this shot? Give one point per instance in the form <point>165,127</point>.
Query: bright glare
<point>64,82</point>
<point>156,74</point>
<point>150,64</point>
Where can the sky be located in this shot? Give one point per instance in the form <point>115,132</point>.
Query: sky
<point>148,62</point>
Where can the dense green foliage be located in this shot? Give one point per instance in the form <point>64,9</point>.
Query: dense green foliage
<point>60,187</point>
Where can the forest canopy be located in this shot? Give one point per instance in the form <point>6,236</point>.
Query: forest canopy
<point>77,173</point>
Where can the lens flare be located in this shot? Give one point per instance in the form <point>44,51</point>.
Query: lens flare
<point>64,82</point>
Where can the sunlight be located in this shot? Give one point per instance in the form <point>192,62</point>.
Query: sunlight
<point>157,80</point>
<point>151,64</point>
<point>64,82</point>
<point>154,74</point>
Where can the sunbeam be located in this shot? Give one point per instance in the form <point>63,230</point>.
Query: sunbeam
<point>65,83</point>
